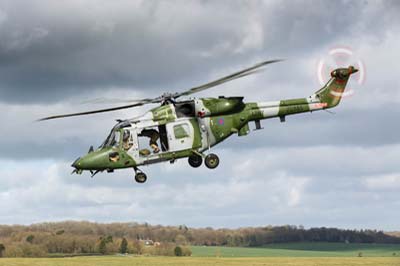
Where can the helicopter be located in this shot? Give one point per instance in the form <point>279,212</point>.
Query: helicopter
<point>190,128</point>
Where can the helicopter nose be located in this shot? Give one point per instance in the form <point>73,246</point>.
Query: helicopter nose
<point>75,163</point>
<point>83,163</point>
<point>94,160</point>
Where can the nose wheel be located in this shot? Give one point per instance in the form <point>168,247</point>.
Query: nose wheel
<point>140,177</point>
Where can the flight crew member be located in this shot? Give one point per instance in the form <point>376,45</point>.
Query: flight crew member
<point>126,140</point>
<point>154,136</point>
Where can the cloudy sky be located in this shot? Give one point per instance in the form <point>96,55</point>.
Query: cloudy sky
<point>319,169</point>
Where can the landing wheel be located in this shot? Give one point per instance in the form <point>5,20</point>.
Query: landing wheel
<point>140,177</point>
<point>195,160</point>
<point>212,161</point>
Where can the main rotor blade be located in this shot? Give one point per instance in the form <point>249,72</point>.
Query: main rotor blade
<point>236,75</point>
<point>94,111</point>
<point>115,100</point>
<point>245,72</point>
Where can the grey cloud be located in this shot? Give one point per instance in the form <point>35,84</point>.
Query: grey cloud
<point>372,127</point>
<point>49,52</point>
<point>67,139</point>
<point>226,198</point>
<point>316,169</point>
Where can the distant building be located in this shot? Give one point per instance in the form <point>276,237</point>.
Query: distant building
<point>148,242</point>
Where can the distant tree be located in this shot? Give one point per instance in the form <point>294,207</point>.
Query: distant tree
<point>124,246</point>
<point>186,251</point>
<point>109,239</point>
<point>85,237</point>
<point>103,246</point>
<point>104,240</point>
<point>183,228</point>
<point>180,239</point>
<point>2,249</point>
<point>60,232</point>
<point>30,238</point>
<point>137,247</point>
<point>178,251</point>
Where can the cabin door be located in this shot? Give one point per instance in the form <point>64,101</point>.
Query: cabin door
<point>180,135</point>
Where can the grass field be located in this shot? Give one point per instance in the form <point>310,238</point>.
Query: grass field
<point>302,250</point>
<point>196,261</point>
<point>294,254</point>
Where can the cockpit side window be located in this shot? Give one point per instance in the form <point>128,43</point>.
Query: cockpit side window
<point>116,140</point>
<point>127,140</point>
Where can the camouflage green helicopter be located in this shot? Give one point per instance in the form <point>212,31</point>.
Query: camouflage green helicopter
<point>189,128</point>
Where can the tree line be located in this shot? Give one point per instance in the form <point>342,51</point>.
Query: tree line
<point>70,237</point>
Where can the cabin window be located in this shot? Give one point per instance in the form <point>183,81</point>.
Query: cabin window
<point>181,131</point>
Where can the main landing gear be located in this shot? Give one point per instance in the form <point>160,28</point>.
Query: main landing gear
<point>211,160</point>
<point>195,160</point>
<point>140,177</point>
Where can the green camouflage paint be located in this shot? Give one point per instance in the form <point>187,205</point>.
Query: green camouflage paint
<point>332,92</point>
<point>163,114</point>
<point>225,116</point>
<point>100,159</point>
<point>223,105</point>
<point>197,134</point>
<point>293,106</point>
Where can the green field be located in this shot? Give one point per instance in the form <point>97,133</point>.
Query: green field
<point>302,250</point>
<point>196,261</point>
<point>294,254</point>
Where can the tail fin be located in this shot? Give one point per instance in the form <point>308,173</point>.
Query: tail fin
<point>332,92</point>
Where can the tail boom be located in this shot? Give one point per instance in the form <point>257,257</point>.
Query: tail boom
<point>327,97</point>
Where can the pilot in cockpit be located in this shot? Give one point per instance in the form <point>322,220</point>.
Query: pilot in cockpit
<point>127,142</point>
